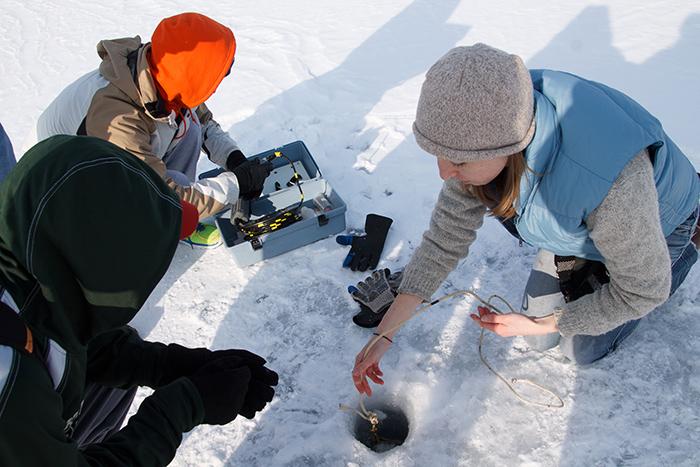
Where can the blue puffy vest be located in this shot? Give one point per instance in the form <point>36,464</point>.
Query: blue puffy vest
<point>585,134</point>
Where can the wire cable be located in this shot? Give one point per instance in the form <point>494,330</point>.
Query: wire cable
<point>279,219</point>
<point>555,403</point>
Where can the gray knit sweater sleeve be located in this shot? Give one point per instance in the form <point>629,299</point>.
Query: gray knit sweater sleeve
<point>456,217</point>
<point>627,231</point>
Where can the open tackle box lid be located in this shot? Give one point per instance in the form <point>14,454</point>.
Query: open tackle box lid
<point>322,210</point>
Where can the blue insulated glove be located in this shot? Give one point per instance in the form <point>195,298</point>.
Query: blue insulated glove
<point>366,249</point>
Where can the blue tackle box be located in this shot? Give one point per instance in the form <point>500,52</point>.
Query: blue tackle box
<point>322,211</point>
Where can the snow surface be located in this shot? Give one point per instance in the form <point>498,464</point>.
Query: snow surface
<point>344,77</point>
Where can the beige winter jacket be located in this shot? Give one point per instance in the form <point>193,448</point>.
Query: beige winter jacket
<point>120,103</point>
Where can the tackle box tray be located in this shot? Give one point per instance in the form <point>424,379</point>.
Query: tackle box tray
<point>319,220</point>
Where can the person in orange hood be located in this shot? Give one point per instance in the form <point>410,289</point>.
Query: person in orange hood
<point>190,55</point>
<point>149,98</point>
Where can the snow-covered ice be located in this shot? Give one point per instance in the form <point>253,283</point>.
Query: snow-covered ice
<point>344,77</point>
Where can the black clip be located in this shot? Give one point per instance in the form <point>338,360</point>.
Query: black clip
<point>294,180</point>
<point>322,219</point>
<point>255,243</point>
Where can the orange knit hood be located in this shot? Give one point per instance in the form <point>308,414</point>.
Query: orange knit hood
<point>190,55</point>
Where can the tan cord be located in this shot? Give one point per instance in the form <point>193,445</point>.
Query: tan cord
<point>372,417</point>
<point>559,402</point>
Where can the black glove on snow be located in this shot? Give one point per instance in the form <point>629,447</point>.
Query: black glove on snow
<point>366,249</point>
<point>182,361</point>
<point>235,159</point>
<point>251,175</point>
<point>375,295</point>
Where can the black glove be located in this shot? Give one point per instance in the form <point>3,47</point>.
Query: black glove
<point>235,159</point>
<point>251,175</point>
<point>229,387</point>
<point>579,277</point>
<point>260,391</point>
<point>182,361</point>
<point>366,249</point>
<point>222,386</point>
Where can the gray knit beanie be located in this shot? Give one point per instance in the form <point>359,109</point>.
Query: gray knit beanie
<point>476,103</point>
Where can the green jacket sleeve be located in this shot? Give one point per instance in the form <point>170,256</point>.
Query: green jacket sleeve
<point>32,423</point>
<point>153,434</point>
<point>121,359</point>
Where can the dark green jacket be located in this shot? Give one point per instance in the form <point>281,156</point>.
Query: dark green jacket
<point>78,219</point>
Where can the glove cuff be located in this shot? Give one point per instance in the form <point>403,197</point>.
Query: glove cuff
<point>235,159</point>
<point>377,226</point>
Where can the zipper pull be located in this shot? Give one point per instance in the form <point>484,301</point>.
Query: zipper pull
<point>172,122</point>
<point>515,224</point>
<point>69,428</point>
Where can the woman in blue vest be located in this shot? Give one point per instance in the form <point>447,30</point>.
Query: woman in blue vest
<point>7,156</point>
<point>570,166</point>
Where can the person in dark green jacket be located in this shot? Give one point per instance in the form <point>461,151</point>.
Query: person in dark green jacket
<point>71,277</point>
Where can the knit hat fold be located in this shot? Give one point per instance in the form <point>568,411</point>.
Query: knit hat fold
<point>476,103</point>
